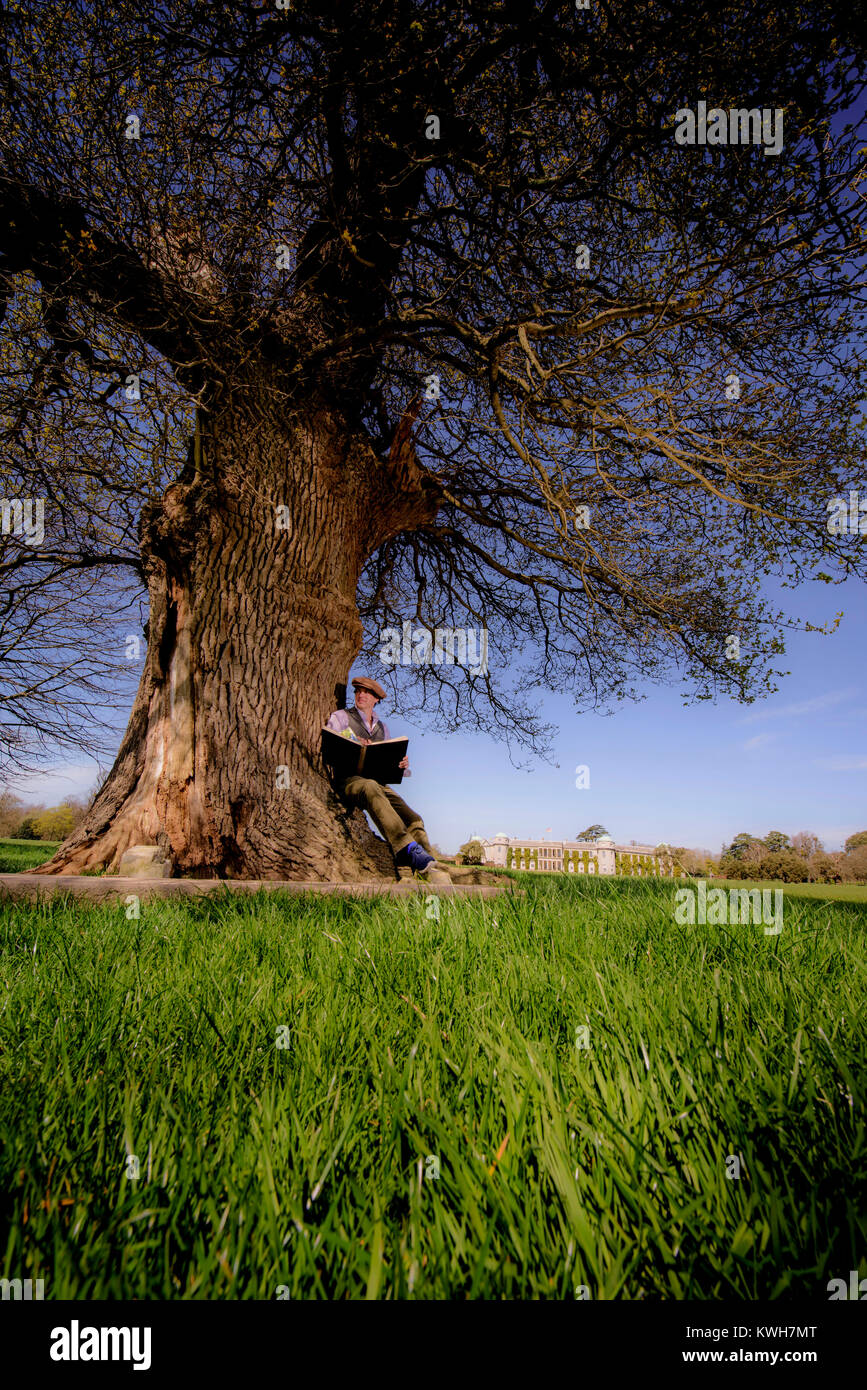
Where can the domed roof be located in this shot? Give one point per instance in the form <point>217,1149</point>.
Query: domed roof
<point>501,835</point>
<point>605,840</point>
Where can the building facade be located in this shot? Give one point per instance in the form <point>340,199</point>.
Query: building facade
<point>601,856</point>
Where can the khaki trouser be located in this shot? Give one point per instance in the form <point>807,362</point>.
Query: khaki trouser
<point>397,822</point>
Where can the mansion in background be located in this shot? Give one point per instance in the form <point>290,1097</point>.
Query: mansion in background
<point>600,856</point>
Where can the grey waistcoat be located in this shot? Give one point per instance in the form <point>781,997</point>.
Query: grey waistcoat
<point>359,727</point>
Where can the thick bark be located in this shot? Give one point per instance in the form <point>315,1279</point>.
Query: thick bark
<point>252,630</point>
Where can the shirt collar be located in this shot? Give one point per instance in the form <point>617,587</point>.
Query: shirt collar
<point>374,721</point>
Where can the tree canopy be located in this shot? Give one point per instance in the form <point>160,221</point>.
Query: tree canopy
<point>593,832</point>
<point>622,374</point>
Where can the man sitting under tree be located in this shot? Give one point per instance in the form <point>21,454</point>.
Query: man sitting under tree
<point>398,823</point>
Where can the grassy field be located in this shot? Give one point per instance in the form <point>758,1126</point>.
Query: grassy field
<point>830,892</point>
<point>288,1075</point>
<point>17,856</point>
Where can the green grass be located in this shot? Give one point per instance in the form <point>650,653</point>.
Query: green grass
<point>413,1039</point>
<point>17,856</point>
<point>830,892</point>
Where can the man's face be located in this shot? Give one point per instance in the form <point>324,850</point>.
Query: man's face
<point>365,700</point>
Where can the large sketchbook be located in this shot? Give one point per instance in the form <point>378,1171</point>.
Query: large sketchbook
<point>346,757</point>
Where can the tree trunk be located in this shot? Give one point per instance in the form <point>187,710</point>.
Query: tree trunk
<point>253,628</point>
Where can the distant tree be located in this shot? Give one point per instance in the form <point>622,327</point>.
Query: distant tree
<point>807,844</point>
<point>472,852</point>
<point>755,852</point>
<point>55,823</point>
<point>739,846</point>
<point>693,861</point>
<point>855,864</point>
<point>784,865</point>
<point>856,841</point>
<point>21,822</point>
<point>776,842</point>
<point>77,807</point>
<point>27,830</point>
<point>736,868</point>
<point>11,813</point>
<point>593,832</point>
<point>824,868</point>
<point>747,848</point>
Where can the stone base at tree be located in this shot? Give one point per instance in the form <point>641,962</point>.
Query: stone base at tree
<point>144,861</point>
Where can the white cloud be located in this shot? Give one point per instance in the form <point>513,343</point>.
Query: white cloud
<point>801,707</point>
<point>758,741</point>
<point>858,716</point>
<point>844,762</point>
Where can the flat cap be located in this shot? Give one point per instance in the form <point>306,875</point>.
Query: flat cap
<point>366,683</point>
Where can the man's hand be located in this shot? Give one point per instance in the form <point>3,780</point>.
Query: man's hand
<point>403,764</point>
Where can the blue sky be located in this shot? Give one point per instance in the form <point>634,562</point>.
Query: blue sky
<point>690,775</point>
